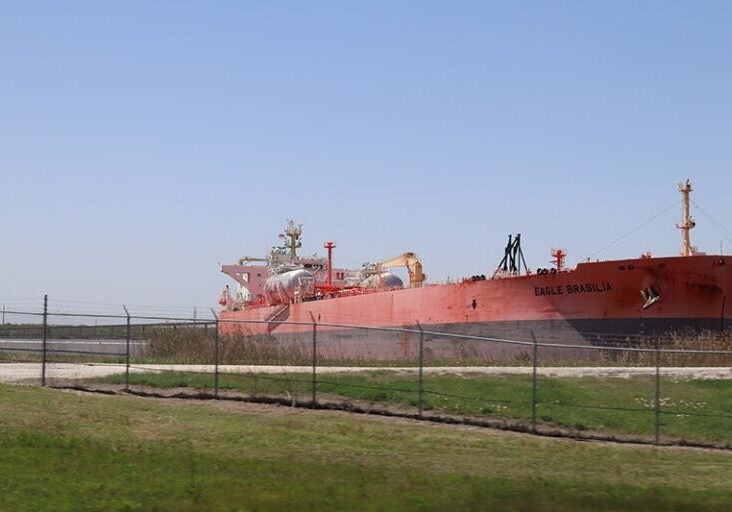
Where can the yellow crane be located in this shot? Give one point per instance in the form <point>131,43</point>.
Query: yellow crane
<point>410,261</point>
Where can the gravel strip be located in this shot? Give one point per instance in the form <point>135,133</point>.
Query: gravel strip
<point>31,372</point>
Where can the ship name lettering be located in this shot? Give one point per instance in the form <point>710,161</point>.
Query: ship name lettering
<point>541,291</point>
<point>589,288</point>
<point>548,290</point>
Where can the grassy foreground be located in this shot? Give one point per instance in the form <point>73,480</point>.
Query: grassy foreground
<point>695,410</point>
<point>64,451</point>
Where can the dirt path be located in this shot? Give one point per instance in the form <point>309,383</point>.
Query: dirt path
<point>31,372</point>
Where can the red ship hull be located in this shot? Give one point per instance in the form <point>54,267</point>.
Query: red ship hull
<point>598,303</point>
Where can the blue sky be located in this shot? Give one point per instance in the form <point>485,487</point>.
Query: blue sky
<point>142,143</point>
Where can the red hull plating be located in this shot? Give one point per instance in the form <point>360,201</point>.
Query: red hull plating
<point>687,291</point>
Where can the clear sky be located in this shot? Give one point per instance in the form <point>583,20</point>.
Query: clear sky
<point>142,143</point>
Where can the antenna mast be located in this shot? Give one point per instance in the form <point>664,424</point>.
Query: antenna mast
<point>687,224</point>
<point>292,233</point>
<point>559,255</point>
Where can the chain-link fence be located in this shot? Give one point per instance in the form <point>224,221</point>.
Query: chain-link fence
<point>665,390</point>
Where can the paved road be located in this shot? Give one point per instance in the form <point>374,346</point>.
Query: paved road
<point>30,372</point>
<point>96,346</point>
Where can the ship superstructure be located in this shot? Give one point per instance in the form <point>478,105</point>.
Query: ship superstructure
<point>285,277</point>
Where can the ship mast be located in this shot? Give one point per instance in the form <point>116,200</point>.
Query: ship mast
<point>687,224</point>
<point>559,255</point>
<point>292,233</point>
<point>330,246</point>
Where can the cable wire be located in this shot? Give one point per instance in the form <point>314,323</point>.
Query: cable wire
<point>722,230</point>
<point>639,226</point>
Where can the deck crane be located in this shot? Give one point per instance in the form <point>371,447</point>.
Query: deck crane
<point>410,261</point>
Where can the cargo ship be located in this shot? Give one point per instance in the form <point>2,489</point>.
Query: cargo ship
<point>596,303</point>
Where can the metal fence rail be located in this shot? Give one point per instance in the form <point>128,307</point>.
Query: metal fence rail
<point>301,369</point>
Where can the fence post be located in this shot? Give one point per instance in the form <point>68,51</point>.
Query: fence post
<point>315,361</point>
<point>127,350</point>
<point>420,395</point>
<point>216,355</point>
<point>657,404</point>
<point>45,340</point>
<point>534,399</point>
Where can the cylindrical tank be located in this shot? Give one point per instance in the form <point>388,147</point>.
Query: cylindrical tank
<point>289,286</point>
<point>383,280</point>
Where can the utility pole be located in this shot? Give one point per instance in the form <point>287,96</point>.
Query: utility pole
<point>45,340</point>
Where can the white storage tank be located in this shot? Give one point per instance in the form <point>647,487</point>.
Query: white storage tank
<point>383,280</point>
<point>290,286</point>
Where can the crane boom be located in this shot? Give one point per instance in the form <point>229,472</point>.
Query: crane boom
<point>247,259</point>
<point>411,262</point>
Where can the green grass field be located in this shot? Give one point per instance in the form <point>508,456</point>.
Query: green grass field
<point>694,410</point>
<point>65,451</point>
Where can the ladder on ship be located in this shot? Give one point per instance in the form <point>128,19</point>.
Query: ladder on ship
<point>280,314</point>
